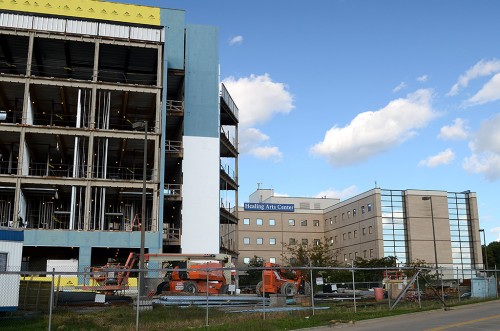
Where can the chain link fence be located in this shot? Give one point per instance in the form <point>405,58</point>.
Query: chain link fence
<point>259,290</point>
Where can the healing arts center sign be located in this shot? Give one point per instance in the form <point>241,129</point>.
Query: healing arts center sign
<point>286,207</point>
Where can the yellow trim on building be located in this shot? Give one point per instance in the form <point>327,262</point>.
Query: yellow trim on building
<point>93,9</point>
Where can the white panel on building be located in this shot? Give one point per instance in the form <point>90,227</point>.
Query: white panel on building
<point>49,24</point>
<point>82,27</point>
<point>11,248</point>
<point>114,30</point>
<point>200,195</point>
<point>145,34</point>
<point>16,21</point>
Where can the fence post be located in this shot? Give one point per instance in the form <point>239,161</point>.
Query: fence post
<point>496,281</point>
<point>51,299</point>
<point>353,286</point>
<point>206,317</point>
<point>138,302</point>
<point>312,287</point>
<point>418,292</point>
<point>263,296</point>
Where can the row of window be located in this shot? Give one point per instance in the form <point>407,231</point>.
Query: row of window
<point>272,222</point>
<point>246,260</point>
<point>354,213</point>
<point>366,254</point>
<point>351,234</point>
<point>272,241</point>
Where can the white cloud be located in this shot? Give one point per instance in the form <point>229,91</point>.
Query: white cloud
<point>422,78</point>
<point>485,157</point>
<point>488,93</point>
<point>487,164</point>
<point>496,231</point>
<point>258,99</point>
<point>373,132</point>
<point>398,88</point>
<point>336,194</point>
<point>236,40</point>
<point>457,131</point>
<point>480,69</point>
<point>445,157</point>
<point>487,139</point>
<point>265,153</point>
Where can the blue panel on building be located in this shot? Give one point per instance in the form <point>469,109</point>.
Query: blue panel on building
<point>11,235</point>
<point>201,116</point>
<point>173,21</point>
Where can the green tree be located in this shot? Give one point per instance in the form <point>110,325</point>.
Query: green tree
<point>375,275</point>
<point>493,251</point>
<point>317,254</point>
<point>252,277</point>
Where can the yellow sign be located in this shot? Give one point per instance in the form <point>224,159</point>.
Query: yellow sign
<point>94,9</point>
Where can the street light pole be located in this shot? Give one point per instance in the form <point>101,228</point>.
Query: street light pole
<point>136,125</point>
<point>433,233</point>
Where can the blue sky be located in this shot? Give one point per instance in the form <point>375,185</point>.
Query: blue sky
<point>336,97</point>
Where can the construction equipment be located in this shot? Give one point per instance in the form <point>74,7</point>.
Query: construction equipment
<point>275,281</point>
<point>110,278</point>
<point>190,274</point>
<point>194,273</point>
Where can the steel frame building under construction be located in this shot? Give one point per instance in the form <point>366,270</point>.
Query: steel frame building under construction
<point>84,87</point>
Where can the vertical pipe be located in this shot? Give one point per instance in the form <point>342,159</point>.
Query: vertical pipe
<point>143,211</point>
<point>458,285</point>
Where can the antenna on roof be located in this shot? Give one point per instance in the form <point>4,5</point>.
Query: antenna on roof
<point>376,184</point>
<point>258,186</point>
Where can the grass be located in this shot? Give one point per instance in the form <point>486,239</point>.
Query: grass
<point>121,318</point>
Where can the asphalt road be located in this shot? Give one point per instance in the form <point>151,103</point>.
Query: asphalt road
<point>483,316</point>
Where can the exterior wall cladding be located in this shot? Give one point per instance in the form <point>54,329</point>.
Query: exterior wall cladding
<point>438,227</point>
<point>80,97</point>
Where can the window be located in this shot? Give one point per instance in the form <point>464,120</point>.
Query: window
<point>272,222</point>
<point>336,239</point>
<point>272,260</point>
<point>272,241</point>
<point>246,221</point>
<point>364,231</point>
<point>3,261</point>
<point>291,241</point>
<point>259,221</point>
<point>370,229</point>
<point>355,233</point>
<point>316,223</point>
<point>355,255</point>
<point>350,256</point>
<point>362,209</point>
<point>369,207</point>
<point>305,241</point>
<point>345,257</point>
<point>354,212</point>
<point>317,242</point>
<point>343,236</point>
<point>364,253</point>
<point>260,241</point>
<point>335,218</point>
<point>303,223</point>
<point>331,240</point>
<point>371,252</point>
<point>349,214</point>
<point>246,260</point>
<point>291,222</point>
<point>343,216</point>
<point>349,234</point>
<point>246,241</point>
<point>331,221</point>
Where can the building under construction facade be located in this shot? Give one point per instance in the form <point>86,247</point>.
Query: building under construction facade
<point>92,92</point>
